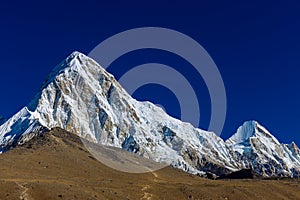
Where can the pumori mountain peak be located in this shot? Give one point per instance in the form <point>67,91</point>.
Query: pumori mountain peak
<point>81,97</point>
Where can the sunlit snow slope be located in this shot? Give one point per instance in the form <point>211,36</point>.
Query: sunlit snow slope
<point>81,97</point>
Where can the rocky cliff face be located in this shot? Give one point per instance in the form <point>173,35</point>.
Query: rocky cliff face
<point>81,97</point>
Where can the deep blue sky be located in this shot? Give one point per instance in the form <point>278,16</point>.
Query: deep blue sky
<point>255,45</point>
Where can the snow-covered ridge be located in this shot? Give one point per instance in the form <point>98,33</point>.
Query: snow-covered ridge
<point>81,97</point>
<point>261,151</point>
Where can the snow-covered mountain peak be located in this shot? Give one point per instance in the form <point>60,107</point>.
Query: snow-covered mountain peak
<point>261,151</point>
<point>293,144</point>
<point>294,148</point>
<point>81,97</point>
<point>76,53</point>
<point>243,133</point>
<point>75,62</point>
<point>250,129</point>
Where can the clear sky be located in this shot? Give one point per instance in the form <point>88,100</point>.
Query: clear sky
<point>256,46</point>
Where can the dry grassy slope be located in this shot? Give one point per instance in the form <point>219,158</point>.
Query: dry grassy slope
<point>57,166</point>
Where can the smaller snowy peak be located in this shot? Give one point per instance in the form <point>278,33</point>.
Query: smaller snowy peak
<point>2,120</point>
<point>250,129</point>
<point>243,133</point>
<point>259,150</point>
<point>293,148</point>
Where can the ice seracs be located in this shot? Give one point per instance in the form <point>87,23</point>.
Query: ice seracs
<point>81,97</point>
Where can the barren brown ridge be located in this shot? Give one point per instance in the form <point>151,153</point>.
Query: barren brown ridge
<point>56,165</point>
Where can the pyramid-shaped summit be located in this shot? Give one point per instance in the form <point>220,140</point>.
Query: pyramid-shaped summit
<point>250,129</point>
<point>81,97</point>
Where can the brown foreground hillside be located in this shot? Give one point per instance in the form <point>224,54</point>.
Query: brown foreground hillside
<point>57,166</point>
